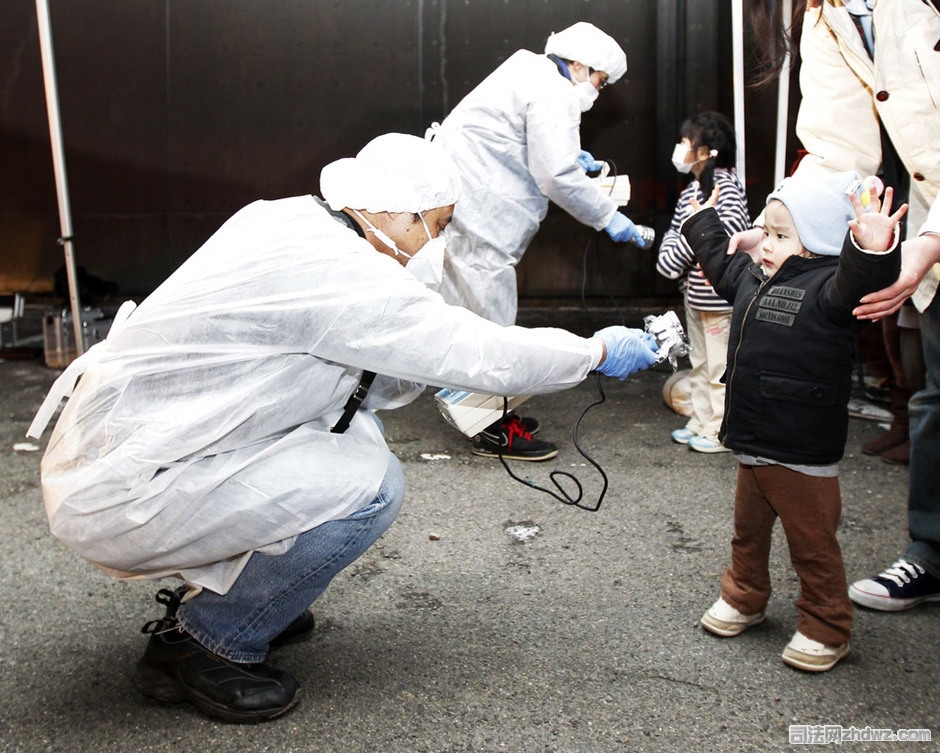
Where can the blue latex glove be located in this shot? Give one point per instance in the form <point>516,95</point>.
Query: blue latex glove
<point>587,162</point>
<point>622,230</point>
<point>628,351</point>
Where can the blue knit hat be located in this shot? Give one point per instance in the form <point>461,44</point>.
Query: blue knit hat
<point>821,208</point>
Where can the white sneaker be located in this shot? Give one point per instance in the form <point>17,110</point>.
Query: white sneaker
<point>812,656</point>
<point>706,444</point>
<point>683,435</point>
<point>724,620</point>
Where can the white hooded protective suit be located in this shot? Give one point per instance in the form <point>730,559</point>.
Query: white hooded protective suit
<point>515,140</point>
<point>199,431</point>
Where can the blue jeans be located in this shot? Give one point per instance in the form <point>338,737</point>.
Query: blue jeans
<point>923,505</point>
<point>272,591</point>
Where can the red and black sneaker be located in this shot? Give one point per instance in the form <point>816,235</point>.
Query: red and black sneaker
<point>511,439</point>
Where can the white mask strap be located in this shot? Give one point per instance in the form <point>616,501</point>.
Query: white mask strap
<point>383,238</point>
<point>426,228</point>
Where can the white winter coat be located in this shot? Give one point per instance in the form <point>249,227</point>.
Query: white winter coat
<point>515,140</point>
<point>845,93</point>
<point>199,431</point>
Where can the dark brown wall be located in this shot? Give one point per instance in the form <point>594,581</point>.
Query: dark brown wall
<point>175,113</point>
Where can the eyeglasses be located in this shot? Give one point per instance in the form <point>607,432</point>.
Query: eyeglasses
<point>603,83</point>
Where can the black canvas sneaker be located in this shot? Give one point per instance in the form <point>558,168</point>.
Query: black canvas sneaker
<point>902,586</point>
<point>510,439</point>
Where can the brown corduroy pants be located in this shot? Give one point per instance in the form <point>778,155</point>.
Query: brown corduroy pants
<point>809,508</point>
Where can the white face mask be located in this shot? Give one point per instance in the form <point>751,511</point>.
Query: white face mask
<point>586,94</point>
<point>427,264</point>
<point>678,159</point>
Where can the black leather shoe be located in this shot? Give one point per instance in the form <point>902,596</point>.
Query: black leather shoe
<point>175,668</point>
<point>299,630</point>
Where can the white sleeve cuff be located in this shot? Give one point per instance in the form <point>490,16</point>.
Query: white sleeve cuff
<point>894,245</point>
<point>597,351</point>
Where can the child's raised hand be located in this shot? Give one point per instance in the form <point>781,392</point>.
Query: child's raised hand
<point>874,230</point>
<point>710,202</point>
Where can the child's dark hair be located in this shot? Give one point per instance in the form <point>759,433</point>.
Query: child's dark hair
<point>714,131</point>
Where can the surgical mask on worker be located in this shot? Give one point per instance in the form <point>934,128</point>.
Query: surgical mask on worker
<point>427,265</point>
<point>586,93</point>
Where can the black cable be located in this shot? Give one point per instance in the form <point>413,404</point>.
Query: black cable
<point>563,496</point>
<point>607,290</point>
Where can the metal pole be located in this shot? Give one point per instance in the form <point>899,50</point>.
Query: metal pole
<point>783,102</point>
<point>58,164</point>
<point>737,31</point>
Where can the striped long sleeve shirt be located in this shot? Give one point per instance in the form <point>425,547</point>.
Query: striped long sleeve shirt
<point>676,259</point>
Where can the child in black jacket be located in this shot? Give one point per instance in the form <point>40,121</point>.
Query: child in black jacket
<point>788,382</point>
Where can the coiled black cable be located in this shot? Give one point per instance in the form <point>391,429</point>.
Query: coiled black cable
<point>562,495</point>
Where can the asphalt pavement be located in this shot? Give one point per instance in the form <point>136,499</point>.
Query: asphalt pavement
<point>490,617</point>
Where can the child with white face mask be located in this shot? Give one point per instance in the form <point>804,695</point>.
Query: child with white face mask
<point>706,150</point>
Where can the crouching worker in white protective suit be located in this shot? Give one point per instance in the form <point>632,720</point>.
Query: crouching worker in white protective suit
<point>213,436</point>
<point>516,142</point>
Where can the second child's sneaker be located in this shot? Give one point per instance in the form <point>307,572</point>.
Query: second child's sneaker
<point>707,445</point>
<point>724,620</point>
<point>511,440</point>
<point>901,586</point>
<point>682,436</point>
<point>804,653</point>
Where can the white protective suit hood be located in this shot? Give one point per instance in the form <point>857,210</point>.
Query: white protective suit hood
<point>587,44</point>
<point>394,172</point>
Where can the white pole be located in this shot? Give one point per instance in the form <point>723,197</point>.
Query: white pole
<point>783,103</point>
<point>737,31</point>
<point>58,164</point>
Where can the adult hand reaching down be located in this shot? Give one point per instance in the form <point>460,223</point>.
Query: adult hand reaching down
<point>918,255</point>
<point>626,351</point>
<point>622,229</point>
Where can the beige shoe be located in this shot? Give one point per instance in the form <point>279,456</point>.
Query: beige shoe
<point>812,656</point>
<point>724,620</point>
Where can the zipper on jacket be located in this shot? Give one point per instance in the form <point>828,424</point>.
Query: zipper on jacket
<point>734,360</point>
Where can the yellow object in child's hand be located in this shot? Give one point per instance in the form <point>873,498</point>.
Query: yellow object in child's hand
<point>872,188</point>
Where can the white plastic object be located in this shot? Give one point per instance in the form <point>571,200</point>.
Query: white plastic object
<point>471,412</point>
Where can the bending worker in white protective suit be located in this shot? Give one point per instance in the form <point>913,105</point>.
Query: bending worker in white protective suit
<point>213,435</point>
<point>516,142</point>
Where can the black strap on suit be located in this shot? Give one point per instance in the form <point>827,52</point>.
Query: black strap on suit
<point>355,400</point>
